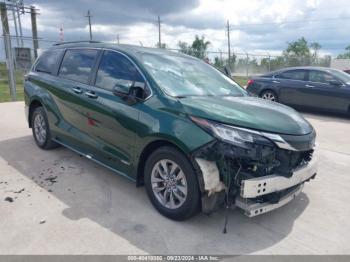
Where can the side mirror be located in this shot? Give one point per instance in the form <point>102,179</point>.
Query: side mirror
<point>227,71</point>
<point>335,83</point>
<point>131,91</point>
<point>122,88</point>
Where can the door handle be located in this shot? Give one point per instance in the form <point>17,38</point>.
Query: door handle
<point>90,94</point>
<point>276,82</point>
<point>77,90</point>
<point>309,86</point>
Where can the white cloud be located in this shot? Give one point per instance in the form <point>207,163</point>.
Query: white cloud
<point>253,22</point>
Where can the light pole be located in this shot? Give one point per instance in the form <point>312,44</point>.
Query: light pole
<point>89,20</point>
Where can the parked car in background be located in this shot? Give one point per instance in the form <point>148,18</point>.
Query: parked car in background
<point>170,122</point>
<point>311,87</point>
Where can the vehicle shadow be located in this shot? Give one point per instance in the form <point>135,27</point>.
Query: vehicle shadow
<point>96,193</point>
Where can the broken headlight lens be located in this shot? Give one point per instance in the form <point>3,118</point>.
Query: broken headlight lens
<point>230,134</point>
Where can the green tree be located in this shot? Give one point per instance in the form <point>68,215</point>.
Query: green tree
<point>218,63</point>
<point>346,55</point>
<point>297,53</point>
<point>184,48</point>
<point>198,48</point>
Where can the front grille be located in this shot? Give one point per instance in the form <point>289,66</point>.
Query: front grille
<point>291,160</point>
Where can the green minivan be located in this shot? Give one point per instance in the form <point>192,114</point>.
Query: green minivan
<point>171,122</point>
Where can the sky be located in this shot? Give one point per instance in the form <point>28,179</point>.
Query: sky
<point>258,26</point>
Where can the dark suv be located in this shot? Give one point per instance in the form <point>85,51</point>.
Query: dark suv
<point>190,134</point>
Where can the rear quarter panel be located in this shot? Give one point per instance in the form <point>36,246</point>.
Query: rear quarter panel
<point>37,88</point>
<point>260,84</point>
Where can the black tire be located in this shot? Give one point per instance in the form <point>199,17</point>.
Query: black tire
<point>269,95</point>
<point>191,204</point>
<point>44,142</point>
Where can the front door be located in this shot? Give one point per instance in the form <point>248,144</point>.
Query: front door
<point>325,95</point>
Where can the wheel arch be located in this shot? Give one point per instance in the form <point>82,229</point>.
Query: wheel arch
<point>271,89</point>
<point>35,103</point>
<point>148,150</point>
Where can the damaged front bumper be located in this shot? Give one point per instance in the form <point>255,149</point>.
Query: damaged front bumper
<point>253,188</point>
<point>252,208</point>
<point>227,177</point>
<point>259,186</point>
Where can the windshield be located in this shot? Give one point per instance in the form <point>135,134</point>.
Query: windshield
<point>344,77</point>
<point>184,76</point>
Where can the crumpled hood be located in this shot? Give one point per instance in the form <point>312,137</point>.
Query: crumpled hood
<point>248,112</point>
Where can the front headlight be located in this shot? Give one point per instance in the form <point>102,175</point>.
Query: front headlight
<point>233,135</point>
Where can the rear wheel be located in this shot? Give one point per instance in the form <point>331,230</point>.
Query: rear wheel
<point>269,95</point>
<point>171,184</point>
<point>40,129</point>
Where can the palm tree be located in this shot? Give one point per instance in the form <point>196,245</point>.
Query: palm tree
<point>199,47</point>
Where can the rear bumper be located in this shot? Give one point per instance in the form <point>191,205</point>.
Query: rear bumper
<point>254,187</point>
<point>252,209</point>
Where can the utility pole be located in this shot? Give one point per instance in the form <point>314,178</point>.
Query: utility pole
<point>159,34</point>
<point>34,30</point>
<point>228,42</point>
<point>89,20</point>
<point>15,20</point>
<point>61,34</point>
<point>19,22</point>
<point>4,19</point>
<point>8,50</point>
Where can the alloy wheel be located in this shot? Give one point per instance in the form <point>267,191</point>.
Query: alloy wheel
<point>40,128</point>
<point>269,96</point>
<point>169,184</point>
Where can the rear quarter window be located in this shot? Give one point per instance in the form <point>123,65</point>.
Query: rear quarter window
<point>48,61</point>
<point>77,64</point>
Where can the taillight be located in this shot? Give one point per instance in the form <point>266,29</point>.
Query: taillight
<point>250,81</point>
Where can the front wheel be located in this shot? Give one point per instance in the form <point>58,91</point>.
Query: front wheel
<point>171,184</point>
<point>269,95</point>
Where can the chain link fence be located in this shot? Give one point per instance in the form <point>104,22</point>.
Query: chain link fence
<point>244,65</point>
<point>16,57</point>
<point>16,60</point>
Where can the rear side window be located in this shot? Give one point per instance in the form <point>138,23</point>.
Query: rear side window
<point>293,75</point>
<point>47,62</point>
<point>77,64</point>
<point>115,68</point>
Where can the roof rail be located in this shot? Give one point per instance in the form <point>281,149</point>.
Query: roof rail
<point>74,42</point>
